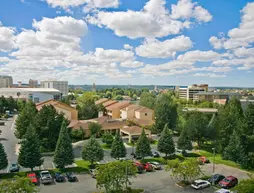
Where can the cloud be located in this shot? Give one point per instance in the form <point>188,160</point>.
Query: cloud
<point>131,64</point>
<point>4,59</point>
<point>244,52</point>
<point>154,20</point>
<point>153,48</point>
<point>186,9</point>
<point>127,47</point>
<point>241,36</point>
<point>210,75</point>
<point>65,4</point>
<point>199,56</point>
<point>7,38</point>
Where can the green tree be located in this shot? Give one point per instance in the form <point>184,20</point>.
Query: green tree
<point>78,134</point>
<point>165,112</point>
<point>245,186</point>
<point>184,141</point>
<point>147,100</point>
<point>29,154</point>
<point>92,151</point>
<point>63,155</point>
<point>108,139</point>
<point>3,158</point>
<point>12,104</point>
<point>188,169</point>
<point>118,149</point>
<point>3,104</point>
<point>18,185</point>
<point>94,128</point>
<point>114,176</point>
<point>166,144</point>
<point>143,146</point>
<point>86,106</point>
<point>24,119</point>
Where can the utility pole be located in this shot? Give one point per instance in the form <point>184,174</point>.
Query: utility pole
<point>213,159</point>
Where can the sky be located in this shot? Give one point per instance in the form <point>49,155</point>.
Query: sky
<point>138,42</point>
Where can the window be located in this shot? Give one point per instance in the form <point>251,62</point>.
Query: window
<point>145,114</point>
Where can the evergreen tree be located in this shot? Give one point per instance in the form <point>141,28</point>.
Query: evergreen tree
<point>184,141</point>
<point>3,158</point>
<point>63,154</point>
<point>118,149</point>
<point>92,151</point>
<point>29,154</point>
<point>143,146</point>
<point>165,112</point>
<point>24,119</point>
<point>166,143</point>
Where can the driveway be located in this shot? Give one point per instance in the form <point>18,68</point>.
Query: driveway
<point>159,182</point>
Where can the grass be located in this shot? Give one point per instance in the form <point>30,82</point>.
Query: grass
<point>131,144</point>
<point>105,146</point>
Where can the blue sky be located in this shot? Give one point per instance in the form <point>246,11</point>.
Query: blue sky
<point>164,42</point>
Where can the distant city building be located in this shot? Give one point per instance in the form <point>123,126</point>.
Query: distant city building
<point>155,88</point>
<point>216,97</point>
<point>62,86</point>
<point>33,83</point>
<point>6,81</point>
<point>37,95</point>
<point>94,87</point>
<point>245,103</point>
<point>188,92</point>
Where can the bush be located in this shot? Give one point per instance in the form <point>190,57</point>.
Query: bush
<point>108,139</point>
<point>77,134</point>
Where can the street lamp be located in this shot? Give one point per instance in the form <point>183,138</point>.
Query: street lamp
<point>213,159</point>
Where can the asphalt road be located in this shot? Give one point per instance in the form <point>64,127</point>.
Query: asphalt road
<point>9,140</point>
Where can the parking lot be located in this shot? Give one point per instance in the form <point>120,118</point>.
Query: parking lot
<point>158,181</point>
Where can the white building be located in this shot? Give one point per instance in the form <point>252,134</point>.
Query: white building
<point>6,81</point>
<point>37,95</point>
<point>33,83</point>
<point>62,86</point>
<point>189,92</point>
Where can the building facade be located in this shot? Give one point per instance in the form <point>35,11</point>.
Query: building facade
<point>62,86</point>
<point>6,81</point>
<point>189,92</point>
<point>215,96</point>
<point>37,95</point>
<point>33,83</point>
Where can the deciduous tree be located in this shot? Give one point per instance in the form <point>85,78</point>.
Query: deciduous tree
<point>63,154</point>
<point>92,151</point>
<point>94,128</point>
<point>108,139</point>
<point>143,146</point>
<point>245,186</point>
<point>147,100</point>
<point>166,143</point>
<point>29,154</point>
<point>118,149</point>
<point>184,141</point>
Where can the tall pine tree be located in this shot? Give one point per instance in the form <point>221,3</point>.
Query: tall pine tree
<point>92,151</point>
<point>166,143</point>
<point>3,158</point>
<point>118,149</point>
<point>29,154</point>
<point>24,119</point>
<point>143,146</point>
<point>184,141</point>
<point>63,154</point>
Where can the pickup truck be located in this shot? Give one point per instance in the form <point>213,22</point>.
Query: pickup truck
<point>45,177</point>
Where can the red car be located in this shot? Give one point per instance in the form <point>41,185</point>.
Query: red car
<point>139,166</point>
<point>148,167</point>
<point>203,159</point>
<point>228,182</point>
<point>33,178</point>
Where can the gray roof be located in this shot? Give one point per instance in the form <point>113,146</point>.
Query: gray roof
<point>28,90</point>
<point>219,93</point>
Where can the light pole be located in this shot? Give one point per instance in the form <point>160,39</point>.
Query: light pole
<point>213,159</point>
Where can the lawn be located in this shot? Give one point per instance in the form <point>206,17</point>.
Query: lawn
<point>105,146</point>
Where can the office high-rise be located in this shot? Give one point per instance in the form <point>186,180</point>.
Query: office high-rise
<point>62,86</point>
<point>6,81</point>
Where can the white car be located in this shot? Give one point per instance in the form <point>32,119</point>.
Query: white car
<point>156,165</point>
<point>200,184</point>
<point>223,191</point>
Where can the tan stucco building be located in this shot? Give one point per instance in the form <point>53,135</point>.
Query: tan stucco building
<point>69,112</point>
<point>133,132</point>
<point>113,111</point>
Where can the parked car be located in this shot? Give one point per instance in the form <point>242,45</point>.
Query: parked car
<point>136,156</point>
<point>33,178</point>
<point>14,167</point>
<point>59,177</point>
<point>203,160</point>
<point>222,190</point>
<point>200,184</point>
<point>71,177</point>
<point>92,172</point>
<point>140,167</point>
<point>148,167</point>
<point>155,154</point>
<point>216,178</point>
<point>156,165</point>
<point>228,182</point>
<point>46,177</point>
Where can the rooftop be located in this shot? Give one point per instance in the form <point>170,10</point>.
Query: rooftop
<point>118,105</point>
<point>143,109</point>
<point>219,93</point>
<point>54,103</point>
<point>28,90</point>
<point>103,100</point>
<point>202,110</point>
<point>134,130</point>
<point>130,107</point>
<point>107,103</point>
